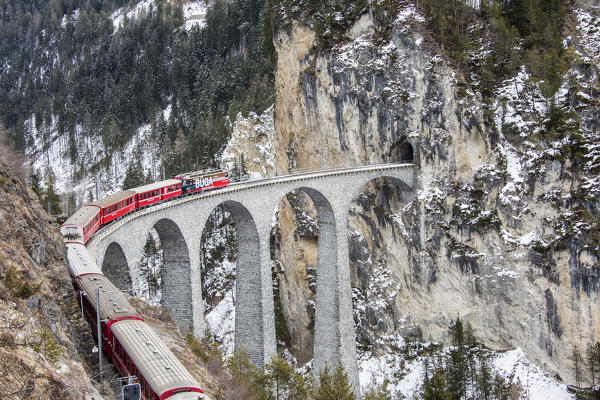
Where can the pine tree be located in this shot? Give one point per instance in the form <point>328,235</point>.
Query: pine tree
<point>456,372</point>
<point>279,374</point>
<point>36,185</point>
<point>51,197</point>
<point>147,266</point>
<point>333,386</point>
<point>593,358</point>
<point>501,391</point>
<point>484,380</point>
<point>134,176</point>
<point>378,393</point>
<point>457,332</point>
<point>435,388</point>
<point>298,389</point>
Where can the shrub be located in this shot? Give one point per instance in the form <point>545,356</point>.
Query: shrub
<point>18,286</point>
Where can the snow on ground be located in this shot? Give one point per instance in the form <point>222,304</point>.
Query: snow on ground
<point>515,96</point>
<point>69,18</point>
<point>588,25</point>
<point>50,154</point>
<point>221,321</point>
<point>252,137</point>
<point>405,376</point>
<point>194,14</point>
<point>535,384</point>
<point>119,16</point>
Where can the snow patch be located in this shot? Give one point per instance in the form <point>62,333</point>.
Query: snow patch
<point>194,14</point>
<point>221,321</point>
<point>119,16</point>
<point>252,138</point>
<point>535,384</point>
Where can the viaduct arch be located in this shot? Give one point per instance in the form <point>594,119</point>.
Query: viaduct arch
<point>180,224</point>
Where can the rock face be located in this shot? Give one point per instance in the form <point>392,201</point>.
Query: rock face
<point>492,235</point>
<point>41,329</point>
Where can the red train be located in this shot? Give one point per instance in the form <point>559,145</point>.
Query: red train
<point>80,226</point>
<point>128,341</point>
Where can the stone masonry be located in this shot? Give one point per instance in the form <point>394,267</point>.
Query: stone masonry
<point>180,223</point>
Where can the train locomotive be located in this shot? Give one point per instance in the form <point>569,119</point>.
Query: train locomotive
<point>131,345</point>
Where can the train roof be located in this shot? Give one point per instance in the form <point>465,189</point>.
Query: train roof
<point>113,198</point>
<point>112,301</point>
<point>161,369</point>
<point>82,216</point>
<point>156,185</point>
<point>80,261</point>
<point>187,175</point>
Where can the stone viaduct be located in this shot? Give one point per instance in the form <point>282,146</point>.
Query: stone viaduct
<point>253,204</point>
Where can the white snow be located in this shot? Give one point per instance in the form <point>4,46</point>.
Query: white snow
<point>535,384</point>
<point>221,321</point>
<point>589,34</point>
<point>407,14</point>
<point>69,18</point>
<point>50,155</point>
<point>531,237</point>
<point>194,14</point>
<point>252,137</point>
<point>405,376</point>
<point>119,15</point>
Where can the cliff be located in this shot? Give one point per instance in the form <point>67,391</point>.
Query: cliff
<point>502,230</point>
<point>42,333</point>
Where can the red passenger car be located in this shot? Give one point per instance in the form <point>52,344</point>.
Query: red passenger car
<point>81,225</point>
<point>155,192</point>
<point>115,205</point>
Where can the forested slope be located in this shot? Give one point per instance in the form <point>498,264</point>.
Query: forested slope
<point>87,76</point>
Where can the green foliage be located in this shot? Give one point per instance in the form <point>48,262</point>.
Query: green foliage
<point>240,367</point>
<point>333,385</point>
<point>578,359</point>
<point>207,348</point>
<point>51,197</point>
<point>277,381</point>
<point>47,345</point>
<point>435,388</point>
<point>17,285</point>
<point>377,393</point>
<point>35,182</point>
<point>593,360</point>
<point>457,332</point>
<point>463,371</point>
<point>126,78</point>
<point>520,32</point>
<point>149,257</point>
<point>239,172</point>
<point>134,176</point>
